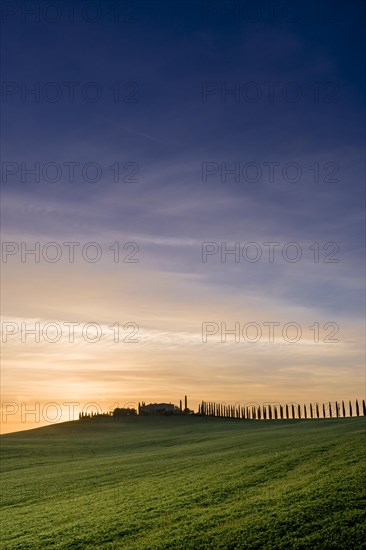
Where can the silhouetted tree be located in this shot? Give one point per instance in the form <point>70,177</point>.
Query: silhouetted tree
<point>330,410</point>
<point>324,413</point>
<point>129,411</point>
<point>281,412</point>
<point>317,410</point>
<point>363,407</point>
<point>350,408</point>
<point>286,411</point>
<point>293,411</point>
<point>305,413</point>
<point>343,409</point>
<point>299,411</point>
<point>357,408</point>
<point>311,410</point>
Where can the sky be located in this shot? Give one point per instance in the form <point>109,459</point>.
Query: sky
<point>204,164</point>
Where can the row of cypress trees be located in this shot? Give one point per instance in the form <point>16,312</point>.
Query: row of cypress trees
<point>274,412</point>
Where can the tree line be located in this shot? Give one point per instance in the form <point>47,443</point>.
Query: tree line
<point>335,409</point>
<point>254,411</point>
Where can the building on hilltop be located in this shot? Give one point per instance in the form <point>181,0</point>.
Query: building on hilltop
<point>163,408</point>
<point>157,408</point>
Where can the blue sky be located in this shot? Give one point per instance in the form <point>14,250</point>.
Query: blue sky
<point>167,131</point>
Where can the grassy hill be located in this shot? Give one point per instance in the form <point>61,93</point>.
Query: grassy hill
<point>185,483</point>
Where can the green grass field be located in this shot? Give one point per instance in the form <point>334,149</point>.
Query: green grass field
<point>185,483</point>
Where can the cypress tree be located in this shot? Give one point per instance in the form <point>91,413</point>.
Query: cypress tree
<point>311,410</point>
<point>317,411</point>
<point>363,407</point>
<point>286,411</point>
<point>357,408</point>
<point>293,411</point>
<point>337,409</point>
<point>330,410</point>
<point>343,409</point>
<point>270,412</point>
<point>299,412</point>
<point>324,413</point>
<point>350,408</point>
<point>281,412</point>
<point>305,413</point>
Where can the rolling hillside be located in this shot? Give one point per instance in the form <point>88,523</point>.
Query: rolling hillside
<point>185,483</point>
